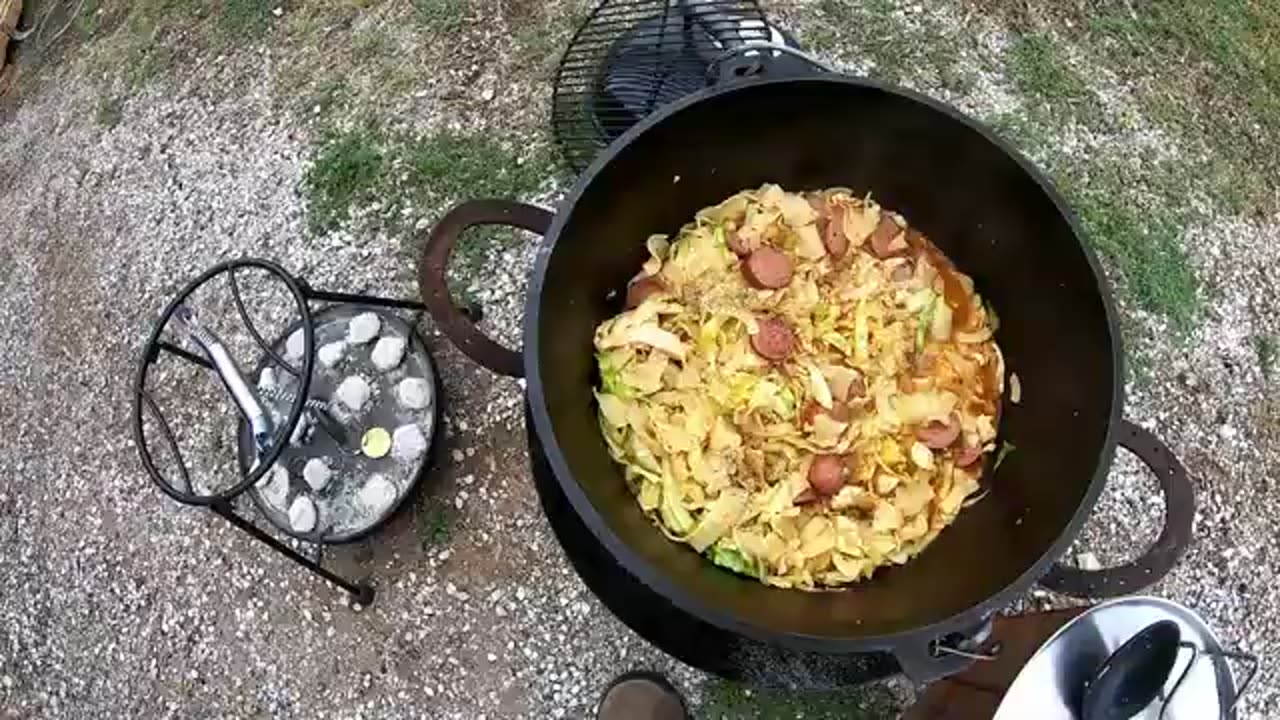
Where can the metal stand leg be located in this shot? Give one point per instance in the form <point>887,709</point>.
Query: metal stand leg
<point>359,592</point>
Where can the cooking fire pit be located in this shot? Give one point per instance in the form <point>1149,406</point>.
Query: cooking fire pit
<point>337,420</point>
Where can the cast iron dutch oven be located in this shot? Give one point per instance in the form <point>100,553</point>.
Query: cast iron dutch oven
<point>983,204</point>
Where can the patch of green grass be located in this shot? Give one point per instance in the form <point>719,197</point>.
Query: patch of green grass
<point>1144,245</point>
<point>354,168</point>
<point>729,701</point>
<point>870,30</point>
<point>245,18</point>
<point>1023,132</point>
<point>441,15</point>
<point>1135,214</point>
<point>1207,69</point>
<point>435,525</point>
<point>1265,347</point>
<point>1039,72</point>
<point>451,165</point>
<point>110,111</point>
<point>349,170</point>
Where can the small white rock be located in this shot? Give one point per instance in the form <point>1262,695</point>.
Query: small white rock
<point>267,379</point>
<point>353,392</point>
<point>1088,561</point>
<point>387,353</point>
<point>332,353</point>
<point>414,393</point>
<point>295,345</point>
<point>275,486</point>
<point>363,328</point>
<point>302,515</point>
<point>377,494</point>
<point>1227,432</point>
<point>408,443</point>
<point>317,473</point>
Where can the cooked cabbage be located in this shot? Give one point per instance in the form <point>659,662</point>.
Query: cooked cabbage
<point>890,371</point>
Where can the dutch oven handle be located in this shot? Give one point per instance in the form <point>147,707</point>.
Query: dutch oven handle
<point>433,286</point>
<point>1159,559</point>
<point>924,659</point>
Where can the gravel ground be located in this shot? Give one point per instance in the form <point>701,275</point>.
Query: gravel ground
<point>120,603</point>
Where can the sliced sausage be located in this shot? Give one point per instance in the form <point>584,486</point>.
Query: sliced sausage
<point>827,474</point>
<point>768,268</point>
<point>939,435</point>
<point>968,456</point>
<point>639,290</point>
<point>834,238</point>
<point>775,339</point>
<point>882,239</point>
<point>738,243</point>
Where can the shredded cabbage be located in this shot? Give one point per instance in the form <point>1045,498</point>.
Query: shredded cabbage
<point>717,442</point>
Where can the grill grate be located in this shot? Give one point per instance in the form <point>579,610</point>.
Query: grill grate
<point>631,57</point>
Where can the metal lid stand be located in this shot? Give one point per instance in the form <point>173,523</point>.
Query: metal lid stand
<point>214,358</point>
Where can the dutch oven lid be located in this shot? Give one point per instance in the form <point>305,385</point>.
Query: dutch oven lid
<point>1056,682</point>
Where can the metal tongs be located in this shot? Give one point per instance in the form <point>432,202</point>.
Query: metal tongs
<point>244,395</point>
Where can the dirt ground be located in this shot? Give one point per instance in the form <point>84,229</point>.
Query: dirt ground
<point>148,140</point>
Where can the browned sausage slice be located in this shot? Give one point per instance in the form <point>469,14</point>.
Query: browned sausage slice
<point>940,435</point>
<point>768,268</point>
<point>826,474</point>
<point>882,239</point>
<point>968,456</point>
<point>775,339</point>
<point>640,290</point>
<point>834,238</point>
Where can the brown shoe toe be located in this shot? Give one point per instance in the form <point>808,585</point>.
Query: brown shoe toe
<point>641,696</point>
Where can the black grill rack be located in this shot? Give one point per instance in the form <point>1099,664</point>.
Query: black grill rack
<point>631,57</point>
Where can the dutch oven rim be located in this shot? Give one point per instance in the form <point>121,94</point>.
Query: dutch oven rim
<point>652,576</point>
